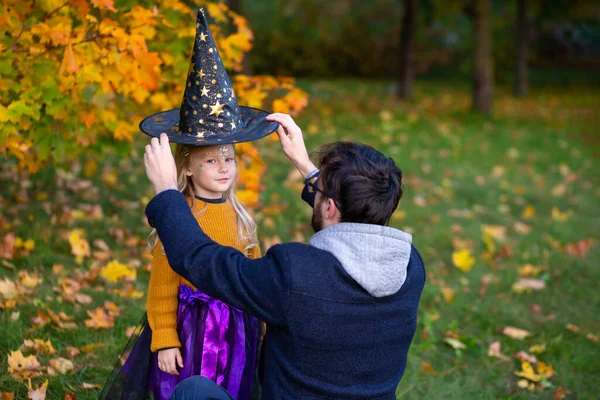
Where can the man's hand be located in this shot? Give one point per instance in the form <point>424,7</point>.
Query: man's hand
<point>160,164</point>
<point>169,359</point>
<point>292,143</point>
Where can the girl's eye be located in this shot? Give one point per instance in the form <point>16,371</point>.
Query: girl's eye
<point>211,161</point>
<point>230,159</point>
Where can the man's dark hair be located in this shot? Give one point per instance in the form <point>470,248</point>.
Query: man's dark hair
<point>365,184</point>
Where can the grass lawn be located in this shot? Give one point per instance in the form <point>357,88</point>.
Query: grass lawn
<point>514,190</point>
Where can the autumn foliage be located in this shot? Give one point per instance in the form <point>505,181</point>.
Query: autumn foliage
<point>78,76</point>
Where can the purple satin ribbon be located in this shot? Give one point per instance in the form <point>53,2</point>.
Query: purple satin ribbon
<point>223,360</point>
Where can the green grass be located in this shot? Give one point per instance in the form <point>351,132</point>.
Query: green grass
<point>448,156</point>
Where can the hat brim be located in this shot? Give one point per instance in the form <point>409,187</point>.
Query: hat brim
<point>254,126</point>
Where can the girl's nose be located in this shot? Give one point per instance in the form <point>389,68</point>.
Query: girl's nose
<point>223,167</point>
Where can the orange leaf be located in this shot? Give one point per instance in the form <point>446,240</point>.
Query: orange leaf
<point>579,249</point>
<point>99,319</point>
<point>69,62</point>
<point>426,368</point>
<point>105,4</point>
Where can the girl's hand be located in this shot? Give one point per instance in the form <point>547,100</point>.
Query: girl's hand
<point>168,360</point>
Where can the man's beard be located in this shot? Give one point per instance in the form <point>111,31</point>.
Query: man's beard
<point>317,219</point>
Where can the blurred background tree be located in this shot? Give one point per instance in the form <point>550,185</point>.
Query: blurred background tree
<point>76,77</point>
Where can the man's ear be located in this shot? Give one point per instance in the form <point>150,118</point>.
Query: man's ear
<point>331,212</point>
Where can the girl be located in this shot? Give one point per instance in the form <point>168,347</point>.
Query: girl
<point>191,333</point>
<point>187,332</point>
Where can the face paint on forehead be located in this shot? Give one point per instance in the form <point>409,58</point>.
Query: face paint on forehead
<point>221,151</point>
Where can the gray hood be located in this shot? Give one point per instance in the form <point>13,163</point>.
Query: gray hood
<point>375,256</point>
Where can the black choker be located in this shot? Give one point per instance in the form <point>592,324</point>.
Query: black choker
<point>212,201</point>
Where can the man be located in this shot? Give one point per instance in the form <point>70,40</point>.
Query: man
<point>341,311</point>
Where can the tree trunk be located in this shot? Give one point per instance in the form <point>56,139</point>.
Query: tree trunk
<point>522,39</point>
<point>483,69</point>
<point>407,50</point>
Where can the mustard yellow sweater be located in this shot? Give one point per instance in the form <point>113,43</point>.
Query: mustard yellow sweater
<point>219,221</point>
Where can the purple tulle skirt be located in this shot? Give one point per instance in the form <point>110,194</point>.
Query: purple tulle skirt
<point>218,341</point>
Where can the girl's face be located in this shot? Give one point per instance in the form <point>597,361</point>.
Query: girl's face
<point>212,169</point>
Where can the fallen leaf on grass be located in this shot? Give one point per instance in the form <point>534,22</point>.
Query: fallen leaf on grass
<point>448,294</point>
<point>21,367</point>
<point>529,270</point>
<point>7,395</point>
<point>455,343</point>
<point>114,271</point>
<point>560,393</point>
<point>515,333</point>
<point>528,212</point>
<point>38,393</point>
<point>39,345</point>
<point>521,228</point>
<point>525,384</point>
<point>494,351</point>
<point>537,348</point>
<point>73,351</point>
<point>498,232</point>
<point>80,247</point>
<point>426,368</point>
<point>60,365</point>
<point>463,260</point>
<point>7,246</point>
<point>91,347</point>
<point>91,386</point>
<point>8,289</point>
<point>30,281</point>
<point>592,337</point>
<point>99,319</point>
<point>580,248</point>
<point>527,285</point>
<point>526,357</point>
<point>573,328</point>
<point>560,216</point>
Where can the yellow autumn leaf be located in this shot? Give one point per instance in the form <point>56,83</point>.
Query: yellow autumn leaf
<point>21,367</point>
<point>448,294</point>
<point>463,260</point>
<point>39,345</point>
<point>114,271</point>
<point>537,348</point>
<point>498,232</point>
<point>80,247</point>
<point>559,216</point>
<point>528,372</point>
<point>528,212</point>
<point>29,281</point>
<point>529,270</point>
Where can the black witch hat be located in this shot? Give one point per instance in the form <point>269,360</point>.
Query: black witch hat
<point>209,113</point>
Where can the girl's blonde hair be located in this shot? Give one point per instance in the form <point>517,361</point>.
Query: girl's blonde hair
<point>245,222</point>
